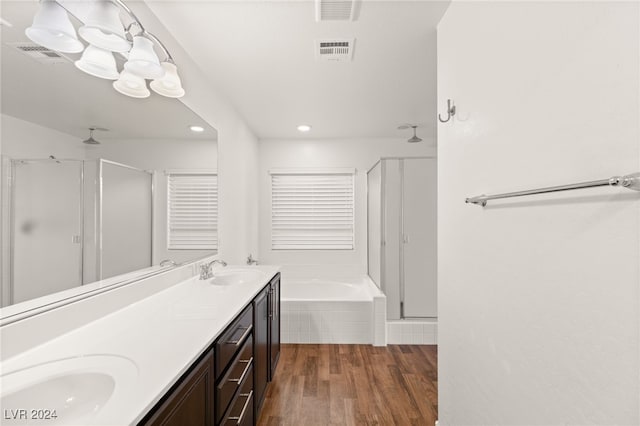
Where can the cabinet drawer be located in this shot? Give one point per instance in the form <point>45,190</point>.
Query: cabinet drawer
<point>230,342</point>
<point>235,377</point>
<point>240,413</point>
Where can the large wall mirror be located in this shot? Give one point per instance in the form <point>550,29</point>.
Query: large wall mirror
<point>120,206</point>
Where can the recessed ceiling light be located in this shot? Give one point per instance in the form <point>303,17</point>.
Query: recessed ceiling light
<point>304,128</point>
<point>196,129</point>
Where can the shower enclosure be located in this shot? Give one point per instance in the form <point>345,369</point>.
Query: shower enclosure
<point>401,213</point>
<point>75,222</point>
<point>46,227</point>
<point>124,219</point>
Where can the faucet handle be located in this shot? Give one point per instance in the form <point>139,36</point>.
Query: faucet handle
<point>205,271</point>
<point>251,260</point>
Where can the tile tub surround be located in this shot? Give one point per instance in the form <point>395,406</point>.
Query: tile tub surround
<point>326,322</point>
<point>412,332</point>
<point>162,334</point>
<point>357,317</point>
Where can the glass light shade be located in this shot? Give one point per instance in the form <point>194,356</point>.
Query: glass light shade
<point>168,85</point>
<point>104,29</point>
<point>52,29</point>
<point>143,60</point>
<point>98,63</point>
<point>131,85</point>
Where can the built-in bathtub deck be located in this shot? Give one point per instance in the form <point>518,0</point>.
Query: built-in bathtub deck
<point>329,311</point>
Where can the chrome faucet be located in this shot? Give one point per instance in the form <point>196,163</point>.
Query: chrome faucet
<point>251,260</point>
<point>206,269</point>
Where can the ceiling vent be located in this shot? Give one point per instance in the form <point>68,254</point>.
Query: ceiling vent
<point>39,53</point>
<point>335,50</point>
<point>336,10</point>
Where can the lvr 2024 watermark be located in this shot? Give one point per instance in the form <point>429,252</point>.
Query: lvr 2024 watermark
<point>29,414</point>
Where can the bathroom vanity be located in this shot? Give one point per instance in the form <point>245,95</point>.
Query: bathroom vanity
<point>201,352</point>
<point>227,384</point>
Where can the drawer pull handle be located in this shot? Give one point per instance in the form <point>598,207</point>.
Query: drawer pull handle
<point>244,409</point>
<point>244,373</point>
<point>247,330</point>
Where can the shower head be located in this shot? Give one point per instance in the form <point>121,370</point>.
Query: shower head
<point>414,138</point>
<point>91,140</point>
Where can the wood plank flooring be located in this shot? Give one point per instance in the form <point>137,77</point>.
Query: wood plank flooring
<point>353,385</point>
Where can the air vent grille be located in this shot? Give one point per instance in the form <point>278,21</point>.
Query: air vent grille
<point>31,48</point>
<point>334,50</point>
<point>39,53</point>
<point>335,10</point>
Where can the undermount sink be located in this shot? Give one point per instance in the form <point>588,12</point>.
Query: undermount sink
<point>236,276</point>
<point>67,391</point>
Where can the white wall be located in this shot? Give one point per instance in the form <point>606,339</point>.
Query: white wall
<point>237,149</point>
<point>539,306</point>
<point>314,153</point>
<point>23,139</point>
<point>160,155</point>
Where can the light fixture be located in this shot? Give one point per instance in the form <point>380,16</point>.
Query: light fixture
<point>197,129</point>
<point>52,29</point>
<point>131,85</point>
<point>304,128</point>
<point>143,61</point>
<point>98,63</point>
<point>105,32</point>
<point>168,85</point>
<point>104,28</point>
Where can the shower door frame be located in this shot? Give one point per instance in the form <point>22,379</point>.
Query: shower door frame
<point>383,229</point>
<point>99,204</point>
<point>11,216</point>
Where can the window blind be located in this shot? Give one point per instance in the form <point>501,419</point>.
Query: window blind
<point>192,217</point>
<point>312,211</point>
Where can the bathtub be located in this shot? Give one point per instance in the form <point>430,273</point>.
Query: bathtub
<point>346,311</point>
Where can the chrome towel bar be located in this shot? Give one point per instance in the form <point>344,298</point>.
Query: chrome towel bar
<point>631,181</point>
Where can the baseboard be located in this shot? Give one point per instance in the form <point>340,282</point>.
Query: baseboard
<point>412,332</point>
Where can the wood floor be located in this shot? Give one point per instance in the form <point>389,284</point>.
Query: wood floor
<point>353,385</point>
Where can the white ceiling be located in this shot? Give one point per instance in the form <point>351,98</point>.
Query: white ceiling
<point>61,97</point>
<point>261,56</point>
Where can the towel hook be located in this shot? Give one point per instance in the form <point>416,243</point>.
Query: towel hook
<point>451,111</point>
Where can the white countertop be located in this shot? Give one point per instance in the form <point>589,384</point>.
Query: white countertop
<point>162,334</point>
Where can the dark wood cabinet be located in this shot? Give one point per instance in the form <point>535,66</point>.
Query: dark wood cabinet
<point>261,312</point>
<point>235,377</point>
<point>274,325</point>
<point>234,369</point>
<point>230,387</point>
<point>241,410</point>
<point>232,339</point>
<point>190,402</point>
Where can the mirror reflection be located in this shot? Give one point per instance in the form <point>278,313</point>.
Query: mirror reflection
<point>95,185</point>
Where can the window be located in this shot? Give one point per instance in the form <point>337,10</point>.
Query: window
<point>192,213</point>
<point>312,210</point>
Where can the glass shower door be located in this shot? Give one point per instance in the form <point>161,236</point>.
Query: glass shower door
<point>46,227</point>
<point>126,219</point>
